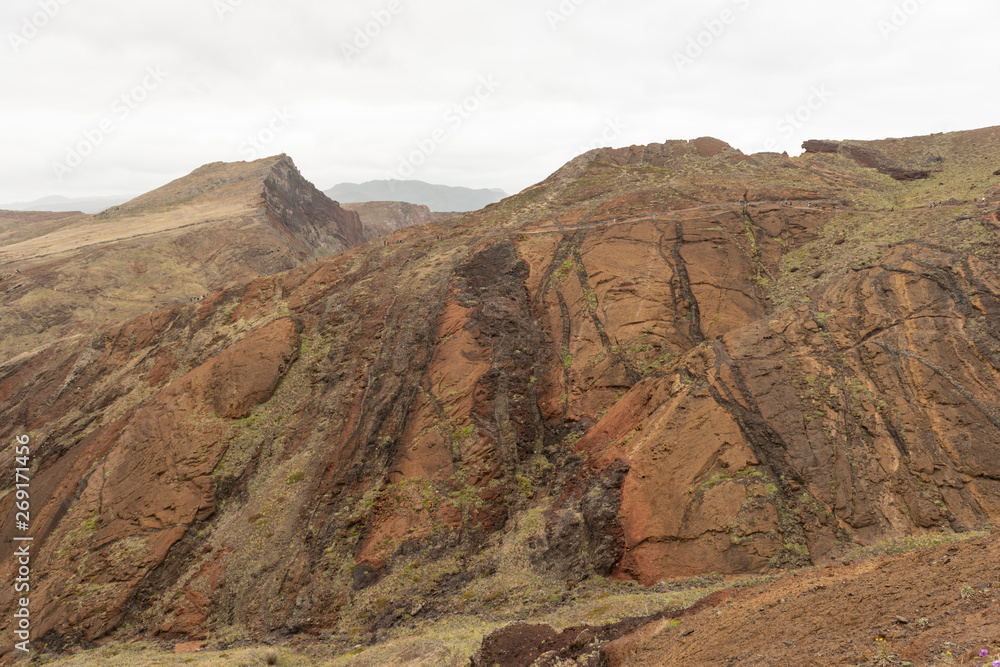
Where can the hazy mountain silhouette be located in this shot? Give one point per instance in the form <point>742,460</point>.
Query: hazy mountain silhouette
<point>59,204</point>
<point>439,198</point>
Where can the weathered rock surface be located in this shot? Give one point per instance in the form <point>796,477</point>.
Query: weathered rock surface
<point>619,371</point>
<point>119,501</point>
<point>382,218</point>
<point>867,157</point>
<point>60,275</point>
<point>916,608</point>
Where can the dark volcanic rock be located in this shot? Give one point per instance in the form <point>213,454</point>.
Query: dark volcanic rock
<point>867,157</point>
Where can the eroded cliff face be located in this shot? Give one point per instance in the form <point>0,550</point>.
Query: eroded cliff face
<point>312,223</point>
<point>620,371</point>
<point>223,223</point>
<point>854,418</point>
<point>116,503</point>
<point>382,218</point>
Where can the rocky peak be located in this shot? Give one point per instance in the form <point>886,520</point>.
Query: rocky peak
<point>296,205</point>
<point>620,371</point>
<point>300,212</point>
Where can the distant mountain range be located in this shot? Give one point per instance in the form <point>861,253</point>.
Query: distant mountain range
<point>438,198</point>
<point>59,204</point>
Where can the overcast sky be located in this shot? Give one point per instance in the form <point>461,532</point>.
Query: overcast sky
<point>111,97</point>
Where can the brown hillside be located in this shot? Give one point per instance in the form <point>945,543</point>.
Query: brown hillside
<point>619,375</point>
<point>62,276</point>
<point>382,218</point>
<point>937,607</point>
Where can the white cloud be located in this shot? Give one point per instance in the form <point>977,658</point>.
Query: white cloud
<point>561,84</point>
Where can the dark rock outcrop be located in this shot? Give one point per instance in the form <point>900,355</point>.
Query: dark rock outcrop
<point>867,157</point>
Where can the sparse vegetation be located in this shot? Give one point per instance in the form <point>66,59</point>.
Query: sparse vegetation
<point>434,462</point>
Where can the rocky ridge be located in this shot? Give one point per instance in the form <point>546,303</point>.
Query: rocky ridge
<point>644,367</point>
<point>223,223</point>
<point>382,218</point>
